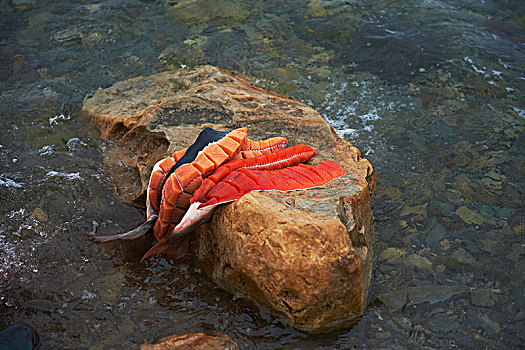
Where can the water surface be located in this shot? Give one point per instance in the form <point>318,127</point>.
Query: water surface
<point>432,92</point>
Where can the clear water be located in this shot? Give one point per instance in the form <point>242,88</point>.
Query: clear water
<point>432,92</point>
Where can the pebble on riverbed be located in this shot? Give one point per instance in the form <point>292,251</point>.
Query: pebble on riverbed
<point>193,341</point>
<point>483,297</point>
<point>40,215</point>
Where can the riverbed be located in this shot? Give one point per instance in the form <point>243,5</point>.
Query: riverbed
<point>431,92</point>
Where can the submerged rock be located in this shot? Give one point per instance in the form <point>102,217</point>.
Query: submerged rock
<point>416,295</point>
<point>483,297</point>
<point>193,341</point>
<point>418,262</point>
<point>390,254</point>
<point>305,255</point>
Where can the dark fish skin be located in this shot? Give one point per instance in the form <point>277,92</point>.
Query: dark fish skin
<point>206,136</point>
<point>133,234</point>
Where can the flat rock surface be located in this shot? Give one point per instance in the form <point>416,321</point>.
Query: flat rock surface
<point>302,254</point>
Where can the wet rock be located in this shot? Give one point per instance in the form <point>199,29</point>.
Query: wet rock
<point>442,208</point>
<point>193,341</point>
<point>300,265</point>
<point>392,193</point>
<point>418,261</point>
<point>196,12</point>
<point>40,215</point>
<point>67,36</point>
<point>445,244</point>
<point>483,297</point>
<point>491,246</point>
<point>436,234</point>
<point>108,287</point>
<point>491,327</point>
<point>461,258</point>
<point>469,216</point>
<point>442,323</point>
<point>416,295</point>
<point>390,254</point>
<point>418,209</point>
<point>305,255</point>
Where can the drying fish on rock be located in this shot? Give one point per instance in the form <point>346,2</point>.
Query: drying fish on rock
<point>279,171</point>
<point>174,179</point>
<point>219,168</point>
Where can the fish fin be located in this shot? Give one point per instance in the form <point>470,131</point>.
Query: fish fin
<point>133,234</point>
<point>175,243</point>
<point>173,246</point>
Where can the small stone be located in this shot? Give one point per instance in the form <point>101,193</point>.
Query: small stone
<point>483,297</point>
<point>517,251</point>
<point>418,209</point>
<point>491,246</point>
<point>436,234</point>
<point>418,261</point>
<point>415,295</point>
<point>464,257</point>
<point>442,323</point>
<point>193,341</point>
<point>436,311</point>
<point>445,244</point>
<point>390,254</point>
<point>442,208</point>
<point>520,315</point>
<point>469,216</point>
<point>440,269</point>
<point>384,335</point>
<point>17,62</point>
<point>48,92</point>
<point>404,322</point>
<point>489,325</point>
<point>519,229</point>
<point>40,215</point>
<point>109,286</point>
<point>392,193</point>
<point>66,36</point>
<point>460,257</point>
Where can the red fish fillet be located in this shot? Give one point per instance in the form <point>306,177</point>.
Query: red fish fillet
<point>272,161</point>
<point>181,184</point>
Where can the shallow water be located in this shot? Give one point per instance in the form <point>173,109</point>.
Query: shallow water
<point>432,92</point>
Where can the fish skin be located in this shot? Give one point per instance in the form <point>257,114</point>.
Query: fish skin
<point>271,161</point>
<point>179,181</point>
<point>137,232</point>
<point>193,218</point>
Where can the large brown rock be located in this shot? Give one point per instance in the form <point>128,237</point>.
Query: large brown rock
<point>305,255</point>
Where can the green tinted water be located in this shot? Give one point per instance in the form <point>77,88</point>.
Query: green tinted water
<point>432,92</point>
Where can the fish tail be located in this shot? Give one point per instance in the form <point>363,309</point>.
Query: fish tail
<point>133,234</point>
<point>173,246</point>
